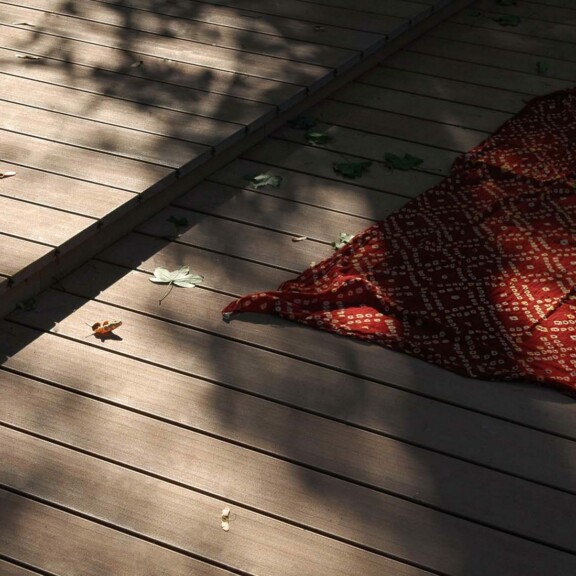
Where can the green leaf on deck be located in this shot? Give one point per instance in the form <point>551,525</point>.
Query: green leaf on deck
<point>317,138</point>
<point>351,169</point>
<point>178,222</point>
<point>508,20</point>
<point>181,278</point>
<point>507,2</point>
<point>261,180</point>
<point>27,305</point>
<point>541,67</point>
<point>302,122</point>
<point>406,162</point>
<point>343,239</point>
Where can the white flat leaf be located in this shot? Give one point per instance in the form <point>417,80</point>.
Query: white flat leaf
<point>162,275</point>
<point>7,173</point>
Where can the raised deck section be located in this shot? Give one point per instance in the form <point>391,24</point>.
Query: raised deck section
<point>112,108</point>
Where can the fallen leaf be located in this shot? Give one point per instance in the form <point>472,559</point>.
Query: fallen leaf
<point>24,24</point>
<point>103,329</point>
<point>351,169</point>
<point>261,180</point>
<point>302,122</point>
<point>317,138</point>
<point>299,238</point>
<point>7,173</point>
<point>343,239</point>
<point>28,57</point>
<point>407,162</point>
<point>508,20</point>
<point>181,278</point>
<point>27,305</point>
<point>541,67</point>
<point>178,222</point>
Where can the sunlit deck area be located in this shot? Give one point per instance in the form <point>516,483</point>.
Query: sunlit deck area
<point>182,444</point>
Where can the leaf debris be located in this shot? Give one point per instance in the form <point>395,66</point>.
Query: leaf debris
<point>28,57</point>
<point>181,278</point>
<point>302,122</point>
<point>351,169</point>
<point>343,239</point>
<point>261,180</point>
<point>7,173</point>
<point>299,238</point>
<point>508,20</point>
<point>406,162</point>
<point>317,138</point>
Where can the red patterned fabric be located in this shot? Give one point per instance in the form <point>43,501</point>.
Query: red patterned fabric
<point>477,274</point>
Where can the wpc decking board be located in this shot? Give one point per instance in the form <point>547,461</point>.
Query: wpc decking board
<point>500,39</point>
<point>333,456</point>
<point>130,96</point>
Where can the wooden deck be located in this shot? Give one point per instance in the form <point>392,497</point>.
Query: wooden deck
<point>118,456</point>
<point>112,108</point>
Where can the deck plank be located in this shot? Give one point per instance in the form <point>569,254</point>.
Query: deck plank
<point>115,113</point>
<point>501,39</point>
<point>431,83</point>
<point>201,464</point>
<point>383,463</point>
<point>18,255</point>
<point>91,165</point>
<point>133,17</point>
<point>237,18</point>
<point>176,516</point>
<point>558,71</point>
<point>57,542</point>
<point>143,45</point>
<point>40,223</point>
<point>58,53</point>
<point>40,186</point>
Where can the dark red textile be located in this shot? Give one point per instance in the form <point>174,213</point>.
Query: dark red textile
<point>477,274</point>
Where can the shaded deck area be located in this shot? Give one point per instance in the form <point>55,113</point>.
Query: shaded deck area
<point>118,455</point>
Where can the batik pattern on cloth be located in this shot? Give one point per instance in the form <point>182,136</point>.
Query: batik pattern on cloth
<point>477,274</point>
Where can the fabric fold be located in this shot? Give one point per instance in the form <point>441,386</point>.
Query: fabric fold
<point>477,274</point>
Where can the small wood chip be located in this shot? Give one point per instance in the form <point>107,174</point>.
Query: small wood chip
<point>7,173</point>
<point>299,238</point>
<point>226,519</point>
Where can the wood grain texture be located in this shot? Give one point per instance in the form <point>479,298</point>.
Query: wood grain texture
<point>141,44</point>
<point>17,255</point>
<point>131,16</point>
<point>42,187</point>
<point>498,38</point>
<point>269,24</point>
<point>178,517</point>
<point>60,53</point>
<point>431,83</point>
<point>231,473</point>
<point>113,113</point>
<point>61,543</point>
<point>523,82</point>
<point>40,223</point>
